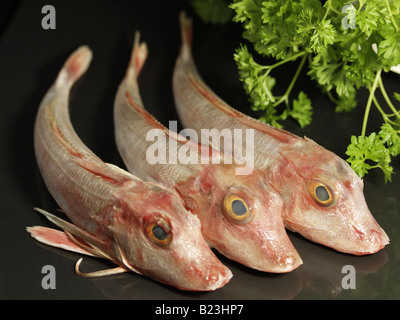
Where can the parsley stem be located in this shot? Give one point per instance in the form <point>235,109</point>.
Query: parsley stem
<point>330,96</point>
<point>369,102</point>
<point>294,79</point>
<point>329,3</point>
<point>385,116</point>
<point>294,57</point>
<point>263,80</point>
<point>385,95</point>
<point>378,106</point>
<point>327,10</point>
<point>391,16</point>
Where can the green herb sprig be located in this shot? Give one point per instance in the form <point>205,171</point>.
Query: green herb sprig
<point>347,45</point>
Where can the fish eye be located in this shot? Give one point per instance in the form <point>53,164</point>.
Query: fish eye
<point>320,193</point>
<point>159,233</point>
<point>236,208</point>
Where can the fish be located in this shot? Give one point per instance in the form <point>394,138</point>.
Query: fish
<point>140,226</point>
<point>240,214</point>
<point>323,197</point>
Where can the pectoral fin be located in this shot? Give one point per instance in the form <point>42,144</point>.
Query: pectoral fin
<point>73,239</point>
<point>78,236</point>
<point>60,239</point>
<point>55,238</point>
<point>100,273</point>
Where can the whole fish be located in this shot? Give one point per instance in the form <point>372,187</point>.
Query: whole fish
<point>323,197</point>
<point>240,214</point>
<point>140,226</point>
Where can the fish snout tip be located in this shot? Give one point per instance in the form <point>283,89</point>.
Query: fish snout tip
<point>372,241</point>
<point>287,260</point>
<point>292,262</point>
<point>378,239</point>
<point>218,278</point>
<point>287,264</point>
<point>214,278</point>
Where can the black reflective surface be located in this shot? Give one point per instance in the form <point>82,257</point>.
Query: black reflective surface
<point>30,58</point>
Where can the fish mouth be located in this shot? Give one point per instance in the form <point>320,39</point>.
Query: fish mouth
<point>215,277</point>
<point>288,264</point>
<point>369,242</point>
<point>218,279</point>
<point>282,264</point>
<point>277,253</point>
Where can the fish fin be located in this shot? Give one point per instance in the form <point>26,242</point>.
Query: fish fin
<point>121,171</point>
<point>103,171</point>
<point>74,67</point>
<point>186,34</point>
<point>126,262</point>
<point>204,150</point>
<point>100,273</point>
<point>138,57</point>
<point>143,113</point>
<point>276,133</point>
<point>79,236</point>
<point>55,238</point>
<point>89,161</point>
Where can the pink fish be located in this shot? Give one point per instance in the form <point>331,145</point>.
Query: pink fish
<point>140,226</point>
<point>240,214</point>
<point>323,197</point>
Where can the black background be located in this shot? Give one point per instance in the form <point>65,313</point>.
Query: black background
<point>30,58</point>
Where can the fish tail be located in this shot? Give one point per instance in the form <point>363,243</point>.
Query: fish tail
<point>138,57</point>
<point>186,34</point>
<point>74,67</point>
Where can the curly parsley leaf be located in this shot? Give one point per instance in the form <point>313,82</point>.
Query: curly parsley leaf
<point>346,103</point>
<point>366,153</point>
<point>389,50</point>
<point>391,137</point>
<point>396,96</point>
<point>302,110</point>
<point>257,83</point>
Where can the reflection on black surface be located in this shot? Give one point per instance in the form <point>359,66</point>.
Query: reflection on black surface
<point>321,271</point>
<point>319,277</point>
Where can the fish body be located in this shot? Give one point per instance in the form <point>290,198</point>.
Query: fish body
<point>240,214</point>
<point>140,226</point>
<point>323,197</point>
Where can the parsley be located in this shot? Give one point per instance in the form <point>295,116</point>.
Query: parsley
<point>345,45</point>
<point>213,11</point>
<point>363,150</point>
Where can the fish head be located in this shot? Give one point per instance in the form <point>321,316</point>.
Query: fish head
<point>156,236</point>
<point>241,218</point>
<point>324,201</point>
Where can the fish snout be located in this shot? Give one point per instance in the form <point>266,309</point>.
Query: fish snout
<point>218,277</point>
<point>208,277</point>
<point>371,241</point>
<point>283,259</point>
<point>289,263</point>
<point>272,252</point>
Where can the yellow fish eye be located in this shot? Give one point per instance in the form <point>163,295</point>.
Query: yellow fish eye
<point>320,193</point>
<point>159,233</point>
<point>236,208</point>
